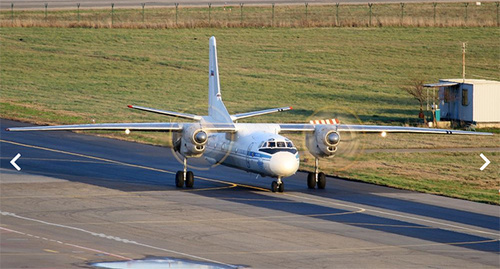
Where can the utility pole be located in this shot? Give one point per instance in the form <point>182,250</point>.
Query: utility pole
<point>463,61</point>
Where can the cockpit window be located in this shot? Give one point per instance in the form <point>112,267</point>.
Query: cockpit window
<point>271,146</point>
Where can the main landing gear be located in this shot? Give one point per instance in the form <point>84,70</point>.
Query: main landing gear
<point>184,177</point>
<point>278,186</point>
<point>315,178</point>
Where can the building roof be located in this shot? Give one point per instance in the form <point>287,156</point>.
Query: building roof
<point>470,81</point>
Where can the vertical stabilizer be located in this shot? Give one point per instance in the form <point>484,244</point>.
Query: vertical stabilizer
<point>216,108</point>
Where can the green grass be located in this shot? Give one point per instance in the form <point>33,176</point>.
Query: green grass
<point>65,76</point>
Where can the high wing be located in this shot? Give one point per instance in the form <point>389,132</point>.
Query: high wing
<point>236,117</point>
<point>156,126</point>
<point>375,129</point>
<point>147,127</point>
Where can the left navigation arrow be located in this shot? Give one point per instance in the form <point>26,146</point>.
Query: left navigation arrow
<point>13,162</point>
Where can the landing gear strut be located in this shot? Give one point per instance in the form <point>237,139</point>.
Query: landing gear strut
<point>184,177</point>
<point>278,186</point>
<point>316,177</point>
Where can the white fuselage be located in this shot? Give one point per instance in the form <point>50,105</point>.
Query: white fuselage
<point>254,148</point>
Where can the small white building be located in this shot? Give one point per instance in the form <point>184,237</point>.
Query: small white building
<point>472,101</point>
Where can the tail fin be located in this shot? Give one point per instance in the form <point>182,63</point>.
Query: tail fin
<point>216,108</point>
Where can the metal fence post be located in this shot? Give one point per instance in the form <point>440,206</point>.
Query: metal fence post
<point>370,5</point>
<point>307,4</point>
<point>337,14</point>
<point>46,5</point>
<point>498,18</point>
<point>241,13</point>
<point>12,12</point>
<point>112,14</point>
<point>434,5</point>
<point>466,5</point>
<point>402,12</point>
<point>143,5</point>
<point>272,18</point>
<point>176,12</point>
<point>78,11</point>
<point>209,11</point>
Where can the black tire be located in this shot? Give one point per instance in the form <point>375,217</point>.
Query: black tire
<point>179,179</point>
<point>311,181</point>
<point>274,186</point>
<point>281,187</point>
<point>321,180</point>
<point>189,179</point>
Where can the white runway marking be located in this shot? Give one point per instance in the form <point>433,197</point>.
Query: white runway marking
<point>101,235</point>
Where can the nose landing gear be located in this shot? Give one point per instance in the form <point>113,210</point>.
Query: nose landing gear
<point>278,186</point>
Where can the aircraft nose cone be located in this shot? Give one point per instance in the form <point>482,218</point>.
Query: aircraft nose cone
<point>284,164</point>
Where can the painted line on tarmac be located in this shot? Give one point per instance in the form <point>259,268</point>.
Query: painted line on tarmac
<point>62,243</point>
<point>356,249</point>
<point>101,235</point>
<point>232,185</point>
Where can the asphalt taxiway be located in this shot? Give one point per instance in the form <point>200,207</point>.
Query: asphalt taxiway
<point>80,199</point>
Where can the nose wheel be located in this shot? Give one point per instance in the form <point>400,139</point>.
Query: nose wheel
<point>184,177</point>
<point>278,186</point>
<point>316,178</point>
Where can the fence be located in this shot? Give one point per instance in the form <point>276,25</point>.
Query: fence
<point>306,15</point>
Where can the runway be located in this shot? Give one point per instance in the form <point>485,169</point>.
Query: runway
<point>81,199</point>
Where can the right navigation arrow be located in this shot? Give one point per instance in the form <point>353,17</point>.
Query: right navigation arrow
<point>486,162</point>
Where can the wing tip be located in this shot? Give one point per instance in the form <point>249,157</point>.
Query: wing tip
<point>290,108</point>
<point>7,129</point>
<point>130,106</point>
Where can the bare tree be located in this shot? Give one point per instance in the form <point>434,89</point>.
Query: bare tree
<point>417,91</point>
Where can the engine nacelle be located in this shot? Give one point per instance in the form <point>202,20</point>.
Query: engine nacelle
<point>191,142</point>
<point>323,142</point>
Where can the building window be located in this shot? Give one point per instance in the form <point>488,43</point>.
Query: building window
<point>465,97</point>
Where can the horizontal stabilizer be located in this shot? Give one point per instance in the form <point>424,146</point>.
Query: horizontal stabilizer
<point>168,113</point>
<point>258,113</point>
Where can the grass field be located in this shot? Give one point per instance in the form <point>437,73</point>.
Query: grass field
<point>63,76</point>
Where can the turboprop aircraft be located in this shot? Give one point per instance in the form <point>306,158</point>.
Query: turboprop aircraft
<point>253,147</point>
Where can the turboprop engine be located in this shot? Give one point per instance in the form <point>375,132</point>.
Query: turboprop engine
<point>191,142</point>
<point>323,142</point>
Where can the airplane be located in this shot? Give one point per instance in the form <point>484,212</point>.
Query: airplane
<point>258,148</point>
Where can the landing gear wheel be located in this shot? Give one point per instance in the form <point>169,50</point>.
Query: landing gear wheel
<point>321,180</point>
<point>189,179</point>
<point>179,179</point>
<point>311,181</point>
<point>281,187</point>
<point>274,186</point>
